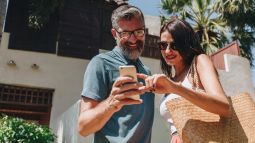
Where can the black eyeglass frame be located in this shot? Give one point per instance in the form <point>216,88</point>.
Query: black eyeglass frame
<point>129,33</point>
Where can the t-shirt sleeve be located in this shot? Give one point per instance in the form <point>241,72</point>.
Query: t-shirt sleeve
<point>94,83</point>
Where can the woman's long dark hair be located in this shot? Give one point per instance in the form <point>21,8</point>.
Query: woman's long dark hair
<point>185,39</point>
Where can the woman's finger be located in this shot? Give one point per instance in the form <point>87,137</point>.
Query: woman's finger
<point>151,78</point>
<point>146,89</point>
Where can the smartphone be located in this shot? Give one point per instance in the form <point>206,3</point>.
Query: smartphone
<point>131,72</point>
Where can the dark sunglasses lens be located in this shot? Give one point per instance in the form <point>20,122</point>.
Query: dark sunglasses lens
<point>162,45</point>
<point>172,46</point>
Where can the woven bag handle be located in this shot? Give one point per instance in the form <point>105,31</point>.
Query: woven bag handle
<point>194,74</point>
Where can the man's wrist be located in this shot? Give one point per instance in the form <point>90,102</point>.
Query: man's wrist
<point>110,105</point>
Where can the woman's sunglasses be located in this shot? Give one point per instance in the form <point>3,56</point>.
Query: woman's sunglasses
<point>162,45</point>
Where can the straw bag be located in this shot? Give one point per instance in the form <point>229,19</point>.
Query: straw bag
<point>196,125</point>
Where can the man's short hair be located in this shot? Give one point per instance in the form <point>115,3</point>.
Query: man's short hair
<point>125,12</point>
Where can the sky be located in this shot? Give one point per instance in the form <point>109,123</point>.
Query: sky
<point>152,7</point>
<point>149,7</point>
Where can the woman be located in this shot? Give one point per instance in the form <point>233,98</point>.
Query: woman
<point>188,72</point>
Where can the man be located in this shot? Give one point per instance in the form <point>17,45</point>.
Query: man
<point>107,109</point>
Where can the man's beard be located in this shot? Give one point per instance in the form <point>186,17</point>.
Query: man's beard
<point>131,53</point>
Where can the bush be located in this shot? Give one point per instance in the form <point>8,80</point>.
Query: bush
<point>16,130</point>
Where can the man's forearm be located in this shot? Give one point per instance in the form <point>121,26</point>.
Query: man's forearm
<point>92,120</point>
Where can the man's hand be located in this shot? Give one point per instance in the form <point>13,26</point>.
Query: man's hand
<point>95,114</point>
<point>122,90</point>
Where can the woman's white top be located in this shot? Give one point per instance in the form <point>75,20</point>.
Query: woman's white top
<point>163,109</point>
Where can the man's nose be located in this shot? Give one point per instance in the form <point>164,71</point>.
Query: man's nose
<point>132,38</point>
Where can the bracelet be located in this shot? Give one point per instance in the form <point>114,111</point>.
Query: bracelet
<point>174,133</point>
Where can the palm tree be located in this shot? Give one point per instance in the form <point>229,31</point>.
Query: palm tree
<point>240,15</point>
<point>217,21</point>
<point>200,14</point>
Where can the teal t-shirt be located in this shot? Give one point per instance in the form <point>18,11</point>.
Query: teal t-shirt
<point>133,123</point>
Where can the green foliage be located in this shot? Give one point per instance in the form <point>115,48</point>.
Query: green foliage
<point>40,11</point>
<point>208,24</point>
<point>16,130</point>
<point>217,22</point>
<point>240,15</point>
<point>176,5</point>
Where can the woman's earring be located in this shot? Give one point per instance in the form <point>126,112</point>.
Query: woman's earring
<point>172,71</point>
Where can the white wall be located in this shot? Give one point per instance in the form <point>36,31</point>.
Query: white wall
<point>237,78</point>
<point>65,75</point>
<point>153,24</point>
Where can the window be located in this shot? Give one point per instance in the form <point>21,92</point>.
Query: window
<point>24,38</point>
<point>26,102</point>
<point>150,47</point>
<point>108,42</point>
<point>79,29</point>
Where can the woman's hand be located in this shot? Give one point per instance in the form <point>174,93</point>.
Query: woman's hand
<point>158,83</point>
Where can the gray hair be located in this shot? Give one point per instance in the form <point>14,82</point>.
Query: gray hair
<point>125,12</point>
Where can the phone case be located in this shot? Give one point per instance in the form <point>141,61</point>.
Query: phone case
<point>131,72</point>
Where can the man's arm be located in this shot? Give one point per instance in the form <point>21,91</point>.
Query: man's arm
<point>95,114</point>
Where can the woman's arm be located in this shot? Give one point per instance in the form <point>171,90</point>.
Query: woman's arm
<point>213,99</point>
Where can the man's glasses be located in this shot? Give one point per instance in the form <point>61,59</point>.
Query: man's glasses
<point>126,34</point>
<point>162,45</point>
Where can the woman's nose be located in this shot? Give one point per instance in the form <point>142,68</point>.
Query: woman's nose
<point>168,50</point>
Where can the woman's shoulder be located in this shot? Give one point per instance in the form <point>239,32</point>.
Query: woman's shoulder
<point>203,60</point>
<point>203,57</point>
<point>205,65</point>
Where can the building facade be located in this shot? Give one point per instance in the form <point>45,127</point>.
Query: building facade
<point>41,71</point>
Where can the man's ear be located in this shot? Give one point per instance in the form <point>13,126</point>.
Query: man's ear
<point>114,33</point>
